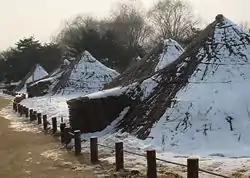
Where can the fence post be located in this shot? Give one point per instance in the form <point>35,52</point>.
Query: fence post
<point>192,167</point>
<point>27,112</point>
<point>151,162</point>
<point>21,110</point>
<point>67,137</point>
<point>24,109</point>
<point>39,118</point>
<point>62,129</point>
<point>14,104</point>
<point>31,114</point>
<point>77,136</point>
<point>119,156</point>
<point>45,122</point>
<point>54,125</point>
<point>93,150</point>
<point>34,116</point>
<point>18,108</point>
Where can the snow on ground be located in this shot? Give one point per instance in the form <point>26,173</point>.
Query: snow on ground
<point>53,106</point>
<point>171,51</point>
<point>8,97</point>
<point>57,107</point>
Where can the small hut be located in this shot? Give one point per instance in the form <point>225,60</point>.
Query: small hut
<point>36,73</point>
<point>85,74</point>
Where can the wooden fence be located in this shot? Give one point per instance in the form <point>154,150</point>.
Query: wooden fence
<point>66,134</point>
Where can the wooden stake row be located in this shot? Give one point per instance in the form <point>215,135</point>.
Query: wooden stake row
<point>35,116</point>
<point>66,136</point>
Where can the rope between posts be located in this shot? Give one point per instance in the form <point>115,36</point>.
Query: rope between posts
<point>162,160</point>
<point>201,170</point>
<point>212,173</point>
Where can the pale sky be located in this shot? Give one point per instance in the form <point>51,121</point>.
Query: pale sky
<point>42,18</point>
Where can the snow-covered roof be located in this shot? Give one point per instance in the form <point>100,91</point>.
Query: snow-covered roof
<point>85,74</point>
<point>171,51</point>
<point>162,55</point>
<point>37,73</point>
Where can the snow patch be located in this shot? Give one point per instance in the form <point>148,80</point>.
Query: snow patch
<point>171,51</point>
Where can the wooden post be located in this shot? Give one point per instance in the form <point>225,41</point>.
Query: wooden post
<point>67,137</point>
<point>18,108</point>
<point>15,107</point>
<point>39,118</point>
<point>34,116</point>
<point>45,122</point>
<point>77,136</point>
<point>93,150</point>
<point>192,168</point>
<point>24,109</point>
<point>27,112</point>
<point>54,125</point>
<point>119,156</point>
<point>31,114</point>
<point>21,110</point>
<point>62,128</point>
<point>14,103</point>
<point>151,162</point>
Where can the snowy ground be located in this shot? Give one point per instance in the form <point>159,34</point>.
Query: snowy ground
<point>56,106</point>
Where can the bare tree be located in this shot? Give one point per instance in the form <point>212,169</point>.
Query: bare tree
<point>73,31</point>
<point>173,19</point>
<point>120,37</point>
<point>130,25</point>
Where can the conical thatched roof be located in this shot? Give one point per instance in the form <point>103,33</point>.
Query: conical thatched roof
<point>84,74</point>
<point>162,55</point>
<point>36,73</point>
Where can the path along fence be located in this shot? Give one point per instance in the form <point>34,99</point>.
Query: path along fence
<point>66,134</point>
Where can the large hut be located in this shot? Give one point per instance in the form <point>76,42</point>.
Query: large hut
<point>197,100</point>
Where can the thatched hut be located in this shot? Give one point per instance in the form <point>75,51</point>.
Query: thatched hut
<point>36,73</point>
<point>84,74</point>
<point>174,99</point>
